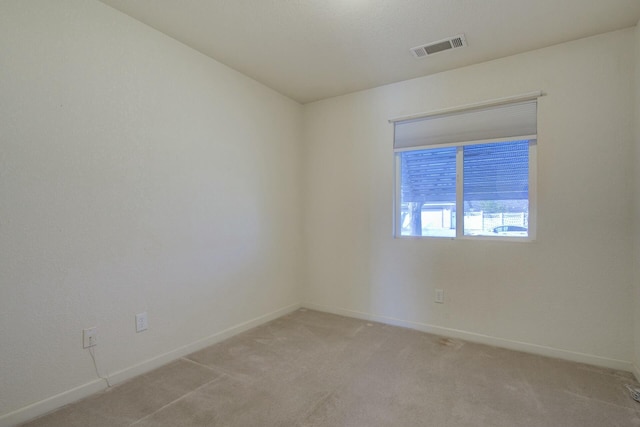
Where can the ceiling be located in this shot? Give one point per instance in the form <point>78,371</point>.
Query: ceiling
<point>315,49</point>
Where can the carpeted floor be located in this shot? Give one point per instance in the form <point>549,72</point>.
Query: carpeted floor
<point>317,369</point>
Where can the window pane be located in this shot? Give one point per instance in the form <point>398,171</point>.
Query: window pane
<point>428,192</point>
<point>496,189</point>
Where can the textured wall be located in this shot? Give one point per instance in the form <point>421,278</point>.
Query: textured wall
<point>569,292</point>
<point>636,229</point>
<point>138,175</point>
<point>135,175</point>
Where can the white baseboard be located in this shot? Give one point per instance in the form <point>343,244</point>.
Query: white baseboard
<point>36,409</point>
<point>51,403</point>
<point>165,358</point>
<point>622,365</point>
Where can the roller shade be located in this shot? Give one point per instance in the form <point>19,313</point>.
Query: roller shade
<point>514,120</point>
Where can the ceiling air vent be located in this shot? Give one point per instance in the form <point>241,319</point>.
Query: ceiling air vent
<point>439,46</point>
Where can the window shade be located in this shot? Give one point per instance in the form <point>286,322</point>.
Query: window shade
<point>480,124</point>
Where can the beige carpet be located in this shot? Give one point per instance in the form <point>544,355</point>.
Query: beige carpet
<point>316,369</point>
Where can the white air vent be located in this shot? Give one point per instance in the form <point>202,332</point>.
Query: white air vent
<point>439,46</point>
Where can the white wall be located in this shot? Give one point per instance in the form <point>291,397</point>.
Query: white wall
<point>569,293</point>
<point>138,175</point>
<point>636,228</point>
<point>135,175</point>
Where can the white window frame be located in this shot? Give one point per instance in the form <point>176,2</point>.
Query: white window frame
<point>532,190</point>
<point>532,198</point>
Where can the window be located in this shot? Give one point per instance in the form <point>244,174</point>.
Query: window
<point>468,173</point>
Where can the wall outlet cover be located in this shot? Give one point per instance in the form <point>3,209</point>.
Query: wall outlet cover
<point>89,337</point>
<point>142,323</point>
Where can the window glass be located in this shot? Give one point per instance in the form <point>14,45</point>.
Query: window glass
<point>496,189</point>
<point>493,196</point>
<point>428,192</point>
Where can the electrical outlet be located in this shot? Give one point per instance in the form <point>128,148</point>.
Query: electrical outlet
<point>439,296</point>
<point>89,337</point>
<point>142,324</point>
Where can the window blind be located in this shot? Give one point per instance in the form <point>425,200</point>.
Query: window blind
<point>506,121</point>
